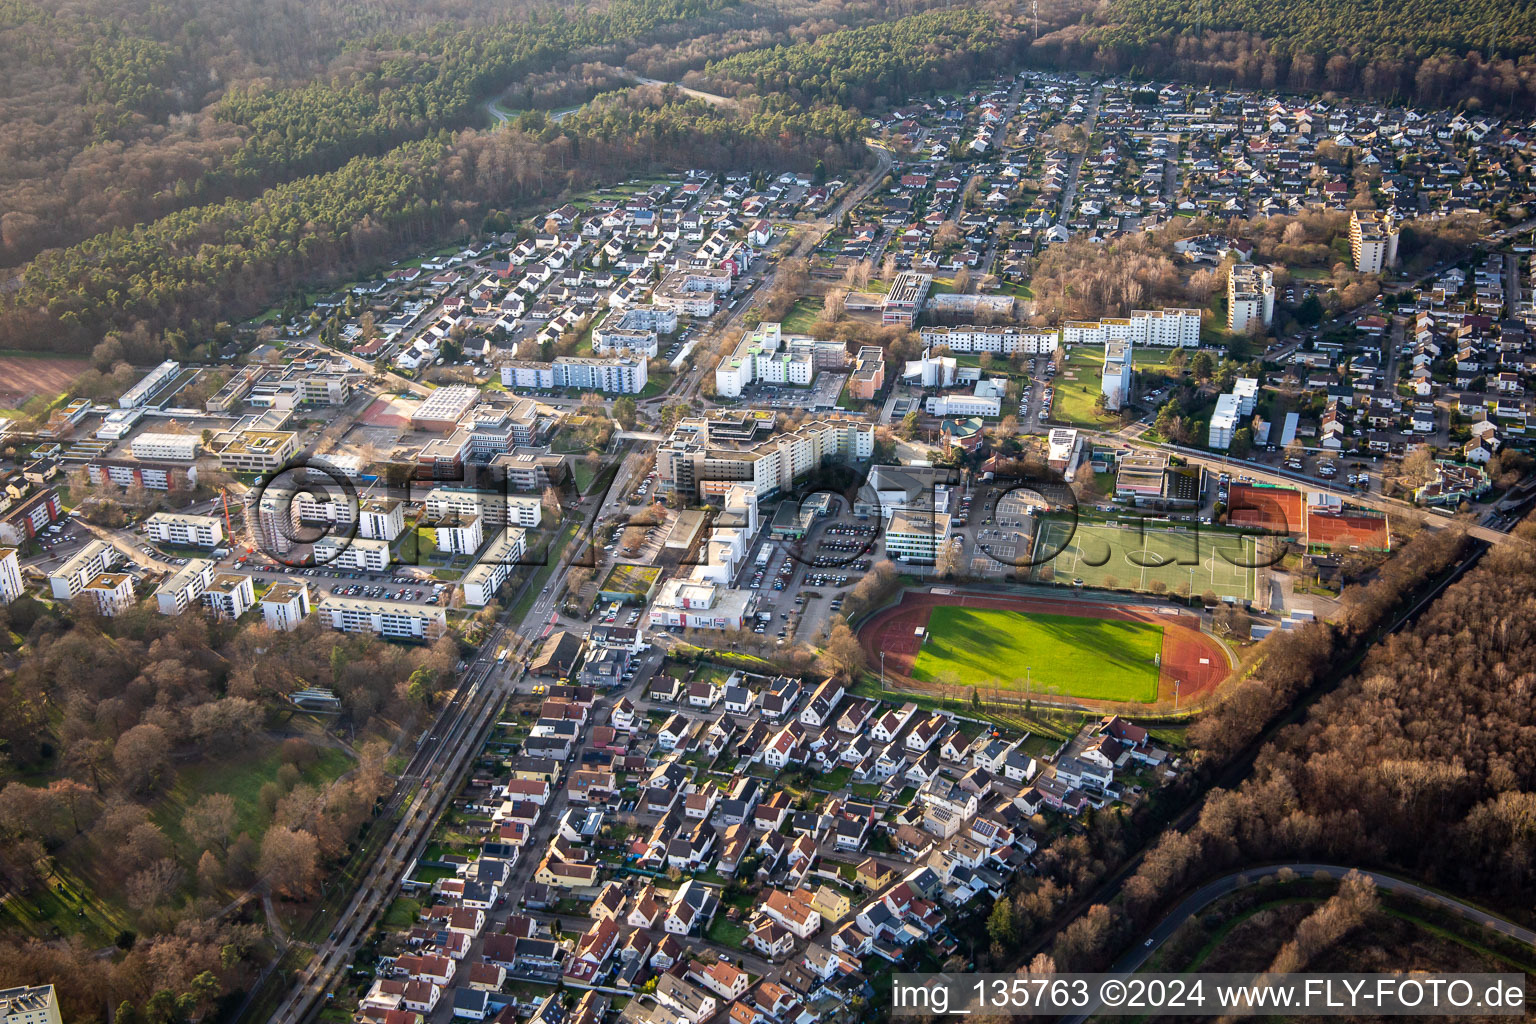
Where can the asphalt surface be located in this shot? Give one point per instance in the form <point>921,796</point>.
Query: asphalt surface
<point>1213,891</point>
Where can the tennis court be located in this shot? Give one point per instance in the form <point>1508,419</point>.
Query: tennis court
<point>1149,558</point>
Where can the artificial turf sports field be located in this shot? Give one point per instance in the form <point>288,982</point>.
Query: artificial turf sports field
<point>1091,658</point>
<point>1106,555</point>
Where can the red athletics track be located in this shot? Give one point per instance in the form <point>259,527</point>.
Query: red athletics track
<point>893,631</point>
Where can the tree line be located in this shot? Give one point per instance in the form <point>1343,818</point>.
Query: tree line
<point>1434,52</point>
<point>101,723</point>
<point>163,286</point>
<point>877,65</point>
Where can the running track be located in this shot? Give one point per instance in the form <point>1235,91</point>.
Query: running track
<point>1189,655</point>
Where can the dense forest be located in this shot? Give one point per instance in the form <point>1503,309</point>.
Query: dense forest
<point>1433,52</point>
<point>875,66</point>
<point>175,278</point>
<point>1422,762</point>
<point>109,117</point>
<point>155,781</point>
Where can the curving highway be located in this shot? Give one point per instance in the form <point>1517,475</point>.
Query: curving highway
<point>1215,890</point>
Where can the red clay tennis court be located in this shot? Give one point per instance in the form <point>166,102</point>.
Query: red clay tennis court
<point>1189,655</point>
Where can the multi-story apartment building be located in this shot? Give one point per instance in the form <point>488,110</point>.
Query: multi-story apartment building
<point>112,591</point>
<point>868,376</point>
<point>34,1004</point>
<point>456,534</point>
<point>152,476</point>
<point>1373,241</point>
<point>381,518</point>
<point>358,554</point>
<point>1250,297</point>
<point>185,530</point>
<point>285,605</point>
<point>389,619</point>
<point>80,568</point>
<point>623,376</point>
<point>1167,328</point>
<point>11,586</point>
<point>185,587</point>
<point>633,331</point>
<point>766,355</point>
<point>496,509</point>
<point>1003,340</point>
<point>229,595</point>
<point>692,291</point>
<point>493,567</point>
<point>1115,379</point>
<point>705,456</point>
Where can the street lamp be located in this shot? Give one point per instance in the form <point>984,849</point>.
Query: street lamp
<point>882,670</point>
<point>1176,694</point>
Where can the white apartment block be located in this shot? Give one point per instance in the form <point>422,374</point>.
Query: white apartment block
<point>1373,241</point>
<point>33,1004</point>
<point>693,463</point>
<point>285,606</point>
<point>1001,340</point>
<point>83,566</point>
<point>112,591</point>
<point>493,567</point>
<point>11,586</point>
<point>381,518</point>
<point>388,619</point>
<point>1115,379</point>
<point>169,447</point>
<point>1168,328</point>
<point>691,292</point>
<point>358,554</point>
<point>458,535</point>
<point>185,587</point>
<point>1250,297</point>
<point>185,530</point>
<point>624,376</point>
<point>229,595</point>
<point>633,331</point>
<point>768,356</point>
<point>1224,421</point>
<point>525,510</point>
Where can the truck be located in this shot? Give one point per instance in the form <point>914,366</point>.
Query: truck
<point>764,556</point>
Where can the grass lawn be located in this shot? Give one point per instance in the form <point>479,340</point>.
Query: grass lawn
<point>402,913</point>
<point>1100,659</point>
<point>802,314</point>
<point>241,775</point>
<point>727,933</point>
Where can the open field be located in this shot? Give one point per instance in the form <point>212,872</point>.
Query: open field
<point>1149,559</point>
<point>1101,659</point>
<point>1067,643</point>
<point>25,376</point>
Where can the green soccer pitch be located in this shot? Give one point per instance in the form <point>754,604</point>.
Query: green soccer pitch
<point>1066,655</point>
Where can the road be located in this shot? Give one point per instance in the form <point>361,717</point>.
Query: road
<point>1092,118</point>
<point>1213,891</point>
<point>437,766</point>
<point>128,544</point>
